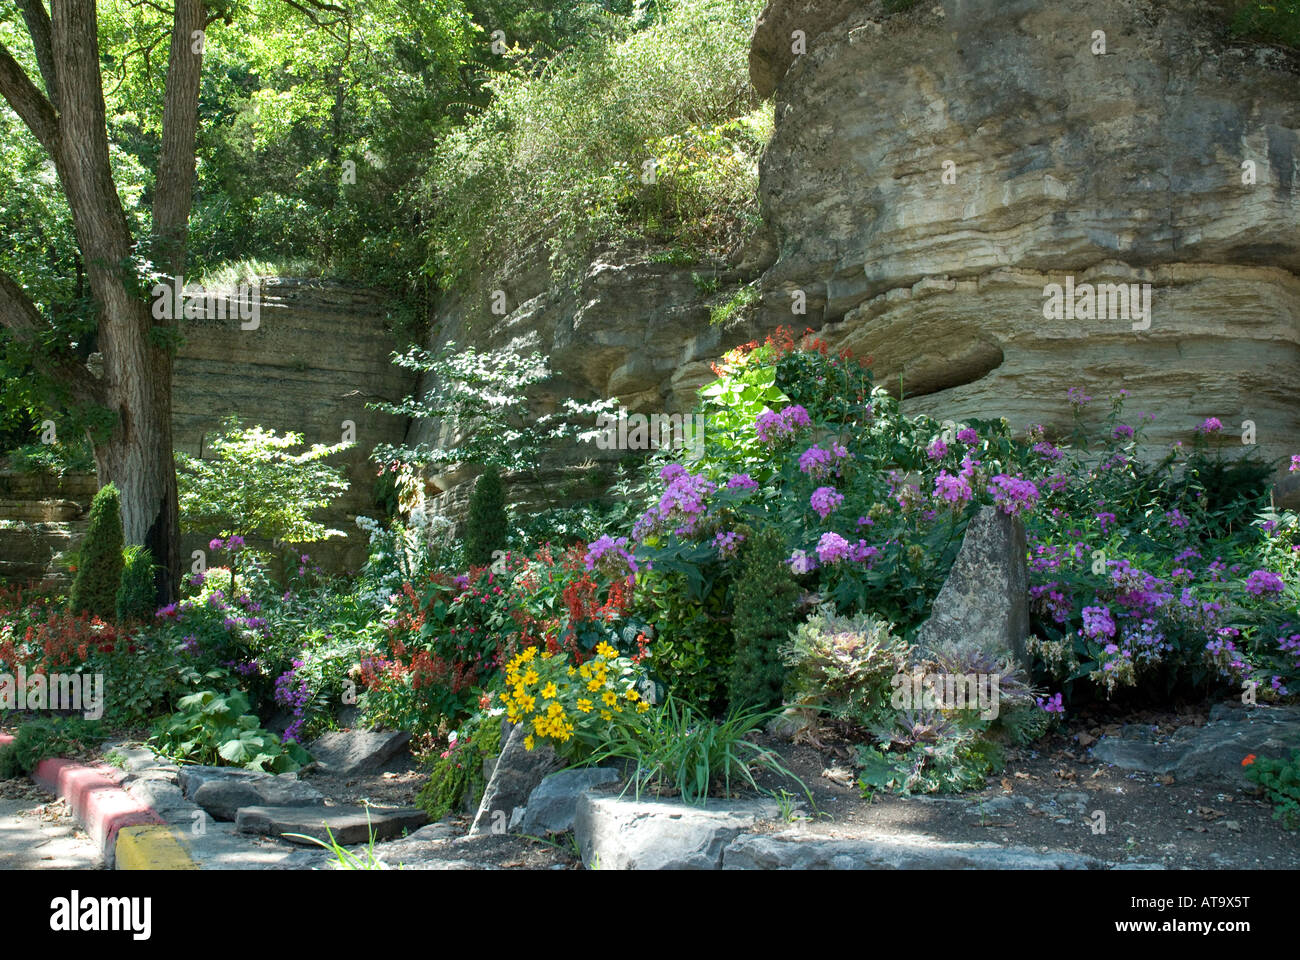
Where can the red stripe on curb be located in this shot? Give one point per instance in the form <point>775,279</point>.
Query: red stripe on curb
<point>96,799</point>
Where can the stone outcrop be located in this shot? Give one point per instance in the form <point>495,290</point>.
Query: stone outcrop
<point>1122,167</point>
<point>41,518</point>
<point>319,354</point>
<point>932,171</point>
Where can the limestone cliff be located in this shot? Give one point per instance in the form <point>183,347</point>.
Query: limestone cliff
<point>933,171</point>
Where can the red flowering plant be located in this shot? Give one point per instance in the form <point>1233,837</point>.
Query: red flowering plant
<point>449,638</point>
<point>39,636</point>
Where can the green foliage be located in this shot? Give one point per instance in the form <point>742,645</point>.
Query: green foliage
<point>568,150</point>
<point>457,773</point>
<point>54,459</point>
<point>487,527</point>
<point>736,305</point>
<point>213,728</point>
<point>765,600</point>
<point>99,561</point>
<point>949,764</point>
<point>1270,22</point>
<point>478,400</point>
<point>345,859</point>
<point>44,737</point>
<point>251,484</point>
<point>135,595</point>
<point>1281,782</point>
<point>680,750</point>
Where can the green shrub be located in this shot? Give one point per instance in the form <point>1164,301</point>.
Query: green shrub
<point>457,773</point>
<point>735,305</point>
<point>1281,782</point>
<point>487,527</point>
<point>1278,22</point>
<point>765,615</point>
<point>44,737</point>
<point>99,561</point>
<point>568,149</point>
<point>135,596</point>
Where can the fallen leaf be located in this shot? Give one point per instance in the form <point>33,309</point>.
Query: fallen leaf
<point>1232,825</point>
<point>1165,778</point>
<point>841,775</point>
<point>1065,774</point>
<point>1086,740</point>
<point>1209,813</point>
<point>1020,776</point>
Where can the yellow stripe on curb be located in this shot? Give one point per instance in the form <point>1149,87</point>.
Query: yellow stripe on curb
<point>151,847</point>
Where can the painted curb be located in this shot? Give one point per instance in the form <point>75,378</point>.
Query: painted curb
<point>130,834</point>
<point>152,847</point>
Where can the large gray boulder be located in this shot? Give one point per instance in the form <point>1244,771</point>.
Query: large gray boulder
<point>799,851</point>
<point>347,824</point>
<point>554,803</point>
<point>623,833</point>
<point>984,603</point>
<point>1214,751</point>
<point>222,798</point>
<point>352,752</point>
<point>518,772</point>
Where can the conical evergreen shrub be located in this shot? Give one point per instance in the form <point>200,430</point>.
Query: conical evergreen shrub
<point>486,528</point>
<point>99,561</point>
<point>765,614</point>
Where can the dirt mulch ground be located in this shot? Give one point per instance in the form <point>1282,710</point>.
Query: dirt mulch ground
<point>1048,797</point>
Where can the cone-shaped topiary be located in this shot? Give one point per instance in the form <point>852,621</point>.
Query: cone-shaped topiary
<point>486,528</point>
<point>135,596</point>
<point>99,561</point>
<point>765,614</point>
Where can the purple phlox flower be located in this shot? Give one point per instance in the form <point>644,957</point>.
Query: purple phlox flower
<point>1051,705</point>
<point>1014,495</point>
<point>801,562</point>
<point>771,426</point>
<point>1261,582</point>
<point>1048,451</point>
<point>825,500</point>
<point>728,542</point>
<point>953,490</point>
<point>832,548</point>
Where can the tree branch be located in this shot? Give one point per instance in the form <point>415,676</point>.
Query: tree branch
<point>175,175</point>
<point>38,25</point>
<point>28,102</point>
<point>19,316</point>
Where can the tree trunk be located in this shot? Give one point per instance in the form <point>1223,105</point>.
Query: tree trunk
<point>69,122</point>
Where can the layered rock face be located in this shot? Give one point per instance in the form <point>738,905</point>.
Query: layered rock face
<point>631,328</point>
<point>932,174</point>
<point>320,352</point>
<point>934,171</point>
